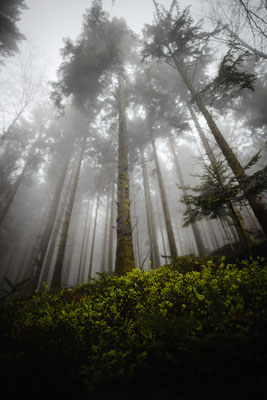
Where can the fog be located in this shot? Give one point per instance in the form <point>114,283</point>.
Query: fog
<point>132,133</point>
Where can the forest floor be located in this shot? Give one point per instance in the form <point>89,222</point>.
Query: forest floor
<point>194,330</point>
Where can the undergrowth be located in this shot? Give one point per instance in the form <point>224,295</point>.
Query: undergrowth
<point>143,329</point>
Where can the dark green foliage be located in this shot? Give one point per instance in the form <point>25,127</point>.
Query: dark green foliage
<point>233,76</point>
<point>89,60</point>
<point>10,35</point>
<point>219,188</point>
<point>123,332</point>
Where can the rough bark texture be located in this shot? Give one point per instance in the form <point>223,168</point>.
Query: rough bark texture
<point>56,280</point>
<point>150,214</point>
<point>125,252</point>
<point>165,206</point>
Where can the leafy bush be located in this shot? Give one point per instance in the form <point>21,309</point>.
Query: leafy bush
<point>133,328</point>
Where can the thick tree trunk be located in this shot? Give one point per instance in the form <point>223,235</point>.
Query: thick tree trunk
<point>56,279</point>
<point>111,222</point>
<point>125,252</point>
<point>254,201</point>
<point>196,233</point>
<point>163,196</point>
<point>151,226</point>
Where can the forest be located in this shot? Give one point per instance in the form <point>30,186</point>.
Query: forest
<point>133,208</point>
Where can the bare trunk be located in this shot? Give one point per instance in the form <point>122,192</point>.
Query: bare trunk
<point>94,235</point>
<point>150,214</point>
<point>196,233</point>
<point>56,279</point>
<point>111,222</point>
<point>36,268</point>
<point>103,259</point>
<point>85,230</point>
<point>165,207</point>
<point>254,201</point>
<point>125,252</point>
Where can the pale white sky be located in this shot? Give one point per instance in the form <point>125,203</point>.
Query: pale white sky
<point>46,22</point>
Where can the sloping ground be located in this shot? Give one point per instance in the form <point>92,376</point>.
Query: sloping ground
<point>200,334</point>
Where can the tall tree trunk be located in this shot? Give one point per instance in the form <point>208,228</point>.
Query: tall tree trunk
<point>254,201</point>
<point>236,216</point>
<point>15,187</point>
<point>163,196</point>
<point>84,274</point>
<point>136,227</point>
<point>36,268</point>
<point>150,213</point>
<point>56,279</point>
<point>196,233</point>
<point>72,243</point>
<point>111,222</point>
<point>94,234</point>
<point>125,252</point>
<point>85,230</point>
<point>161,226</point>
<point>103,258</point>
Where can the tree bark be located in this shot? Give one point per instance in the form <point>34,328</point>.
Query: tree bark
<point>254,200</point>
<point>125,252</point>
<point>56,279</point>
<point>170,234</point>
<point>150,214</point>
<point>196,233</point>
<point>111,222</point>
<point>103,258</point>
<point>46,235</point>
<point>94,235</point>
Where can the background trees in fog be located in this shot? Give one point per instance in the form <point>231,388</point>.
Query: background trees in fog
<point>93,183</point>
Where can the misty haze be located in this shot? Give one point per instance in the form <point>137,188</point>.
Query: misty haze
<point>133,208</point>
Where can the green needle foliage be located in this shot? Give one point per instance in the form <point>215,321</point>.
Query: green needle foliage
<point>219,188</point>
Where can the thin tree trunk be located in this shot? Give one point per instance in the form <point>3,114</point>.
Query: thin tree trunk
<point>125,251</point>
<point>71,245</point>
<point>42,248</point>
<point>254,200</point>
<point>170,234</point>
<point>15,187</point>
<point>110,245</point>
<point>196,233</point>
<point>85,230</point>
<point>94,234</point>
<point>103,258</point>
<point>137,235</point>
<point>84,275</point>
<point>237,218</point>
<point>245,44</point>
<point>161,227</point>
<point>56,279</point>
<point>150,213</point>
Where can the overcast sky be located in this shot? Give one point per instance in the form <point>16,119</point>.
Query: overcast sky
<point>46,22</point>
